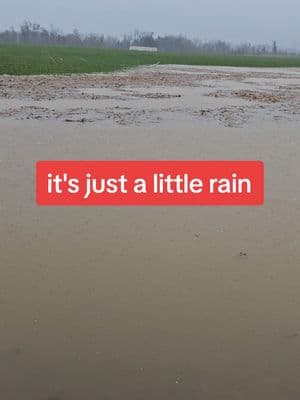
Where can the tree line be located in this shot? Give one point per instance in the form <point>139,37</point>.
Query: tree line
<point>33,33</point>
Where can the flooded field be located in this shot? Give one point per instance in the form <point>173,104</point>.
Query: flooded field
<point>178,303</point>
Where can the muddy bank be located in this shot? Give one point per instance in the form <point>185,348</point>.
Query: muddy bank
<point>227,96</point>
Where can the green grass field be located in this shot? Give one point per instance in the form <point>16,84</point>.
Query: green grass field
<point>25,60</point>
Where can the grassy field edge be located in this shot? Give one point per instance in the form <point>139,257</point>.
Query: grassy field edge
<point>35,60</point>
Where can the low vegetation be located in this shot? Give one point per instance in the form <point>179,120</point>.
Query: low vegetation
<point>32,59</point>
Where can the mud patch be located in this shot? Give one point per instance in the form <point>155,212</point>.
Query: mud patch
<point>259,96</point>
<point>234,117</point>
<point>120,115</point>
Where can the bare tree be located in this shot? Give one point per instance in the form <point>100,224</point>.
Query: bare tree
<point>34,33</point>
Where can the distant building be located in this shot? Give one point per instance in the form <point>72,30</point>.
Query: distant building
<point>141,48</point>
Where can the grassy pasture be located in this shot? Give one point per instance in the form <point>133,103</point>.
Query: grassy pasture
<point>28,60</point>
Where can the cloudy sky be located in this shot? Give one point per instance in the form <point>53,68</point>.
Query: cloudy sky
<point>257,21</point>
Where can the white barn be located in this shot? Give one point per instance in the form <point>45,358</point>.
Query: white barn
<point>141,48</point>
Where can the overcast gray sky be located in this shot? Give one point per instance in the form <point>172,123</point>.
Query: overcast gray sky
<point>258,21</point>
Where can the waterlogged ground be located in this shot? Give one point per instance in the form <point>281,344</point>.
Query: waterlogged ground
<point>228,96</point>
<point>150,303</point>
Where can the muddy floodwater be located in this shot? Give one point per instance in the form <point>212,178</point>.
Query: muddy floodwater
<point>150,303</point>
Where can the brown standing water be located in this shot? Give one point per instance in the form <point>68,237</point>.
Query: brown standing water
<point>178,303</point>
